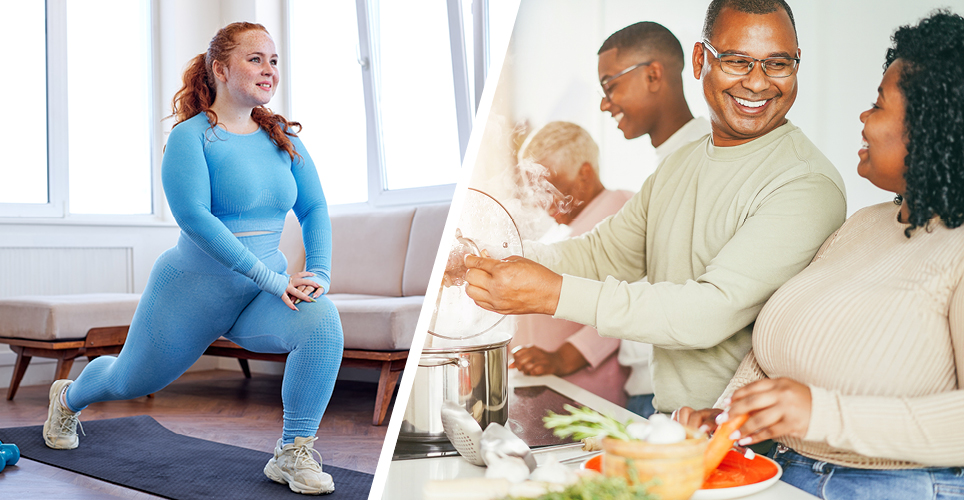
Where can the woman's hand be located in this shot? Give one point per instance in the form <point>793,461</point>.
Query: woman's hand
<point>778,407</point>
<point>704,419</point>
<point>301,289</point>
<point>532,360</point>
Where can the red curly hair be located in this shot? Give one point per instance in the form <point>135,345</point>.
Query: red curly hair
<point>199,89</point>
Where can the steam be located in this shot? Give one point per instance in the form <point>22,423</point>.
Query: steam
<point>536,190</point>
<point>532,200</point>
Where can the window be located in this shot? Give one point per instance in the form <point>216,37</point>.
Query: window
<point>109,139</point>
<point>23,139</point>
<point>386,93</point>
<point>328,97</point>
<point>415,93</point>
<point>82,143</point>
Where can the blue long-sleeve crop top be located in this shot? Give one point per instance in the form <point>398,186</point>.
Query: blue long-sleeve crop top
<point>218,183</point>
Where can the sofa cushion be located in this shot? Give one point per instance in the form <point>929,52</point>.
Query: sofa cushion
<point>379,324</point>
<point>340,297</point>
<point>368,251</point>
<point>423,246</point>
<point>292,245</point>
<point>63,317</point>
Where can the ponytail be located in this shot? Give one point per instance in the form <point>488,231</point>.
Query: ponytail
<point>197,92</point>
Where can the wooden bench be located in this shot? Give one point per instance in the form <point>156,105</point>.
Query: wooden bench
<point>110,340</point>
<point>99,341</point>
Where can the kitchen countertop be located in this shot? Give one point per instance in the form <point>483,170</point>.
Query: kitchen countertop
<point>406,478</point>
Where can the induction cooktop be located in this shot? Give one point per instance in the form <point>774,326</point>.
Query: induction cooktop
<point>527,406</point>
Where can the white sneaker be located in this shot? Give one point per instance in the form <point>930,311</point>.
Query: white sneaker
<point>293,465</point>
<point>60,429</point>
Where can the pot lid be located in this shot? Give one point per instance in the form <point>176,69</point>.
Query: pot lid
<point>484,225</point>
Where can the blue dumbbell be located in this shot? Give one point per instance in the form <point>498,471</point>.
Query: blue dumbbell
<point>9,454</point>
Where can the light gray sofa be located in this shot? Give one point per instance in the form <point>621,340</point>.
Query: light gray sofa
<point>380,266</point>
<point>381,262</point>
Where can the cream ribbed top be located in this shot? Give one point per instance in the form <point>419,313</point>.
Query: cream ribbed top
<point>875,327</point>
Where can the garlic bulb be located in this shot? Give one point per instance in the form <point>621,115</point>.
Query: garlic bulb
<point>664,430</point>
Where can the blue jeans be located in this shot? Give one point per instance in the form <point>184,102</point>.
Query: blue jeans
<point>836,482</point>
<point>641,404</point>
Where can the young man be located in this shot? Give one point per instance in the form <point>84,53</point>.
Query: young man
<point>641,74</point>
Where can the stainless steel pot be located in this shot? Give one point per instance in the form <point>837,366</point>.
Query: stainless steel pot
<point>475,378</point>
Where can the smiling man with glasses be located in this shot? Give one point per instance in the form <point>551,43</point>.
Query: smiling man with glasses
<point>721,224</point>
<point>749,75</point>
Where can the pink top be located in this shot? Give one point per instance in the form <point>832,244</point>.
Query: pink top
<point>604,376</point>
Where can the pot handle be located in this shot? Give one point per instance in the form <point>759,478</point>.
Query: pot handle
<point>460,362</point>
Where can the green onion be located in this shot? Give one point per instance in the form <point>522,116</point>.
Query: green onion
<point>582,423</point>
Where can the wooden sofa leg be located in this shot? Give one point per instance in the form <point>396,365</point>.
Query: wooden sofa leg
<point>386,387</point>
<point>19,369</point>
<point>244,367</point>
<point>65,361</point>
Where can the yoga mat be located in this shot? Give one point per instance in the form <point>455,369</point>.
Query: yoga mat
<point>139,453</point>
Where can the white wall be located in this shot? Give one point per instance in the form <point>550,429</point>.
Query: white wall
<point>844,43</point>
<point>552,74</point>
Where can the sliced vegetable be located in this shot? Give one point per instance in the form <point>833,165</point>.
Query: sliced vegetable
<point>720,444</point>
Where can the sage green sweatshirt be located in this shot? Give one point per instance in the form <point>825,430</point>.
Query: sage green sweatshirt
<point>715,231</point>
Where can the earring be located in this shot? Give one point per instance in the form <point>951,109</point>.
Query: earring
<point>898,199</point>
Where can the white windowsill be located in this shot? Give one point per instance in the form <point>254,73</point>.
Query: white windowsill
<point>90,221</point>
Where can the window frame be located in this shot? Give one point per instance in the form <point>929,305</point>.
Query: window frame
<point>56,210</point>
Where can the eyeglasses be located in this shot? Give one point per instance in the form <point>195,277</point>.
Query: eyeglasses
<point>604,83</point>
<point>741,64</point>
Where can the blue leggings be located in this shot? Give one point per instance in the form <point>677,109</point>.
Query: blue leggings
<point>189,302</point>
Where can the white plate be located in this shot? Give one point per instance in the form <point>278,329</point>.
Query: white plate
<point>739,491</point>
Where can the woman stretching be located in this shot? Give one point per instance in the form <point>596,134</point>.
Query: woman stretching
<point>857,367</point>
<point>232,169</point>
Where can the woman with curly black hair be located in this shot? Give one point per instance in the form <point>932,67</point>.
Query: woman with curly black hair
<point>857,367</point>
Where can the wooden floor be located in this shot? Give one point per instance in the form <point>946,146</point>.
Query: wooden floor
<point>217,405</point>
